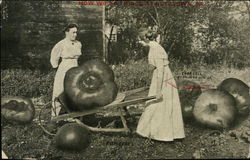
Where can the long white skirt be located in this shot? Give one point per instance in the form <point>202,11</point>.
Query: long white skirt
<point>58,88</point>
<point>162,120</point>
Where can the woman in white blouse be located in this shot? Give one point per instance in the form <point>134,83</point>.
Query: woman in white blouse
<point>69,50</point>
<point>162,118</point>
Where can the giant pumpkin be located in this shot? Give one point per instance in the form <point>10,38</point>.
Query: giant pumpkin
<point>188,93</point>
<point>215,109</point>
<point>240,91</point>
<point>72,137</point>
<point>17,109</point>
<point>89,85</point>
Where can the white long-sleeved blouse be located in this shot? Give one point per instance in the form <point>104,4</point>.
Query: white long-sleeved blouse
<point>157,55</point>
<point>65,49</point>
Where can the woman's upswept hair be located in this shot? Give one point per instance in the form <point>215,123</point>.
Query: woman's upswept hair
<point>142,33</point>
<point>147,33</point>
<point>71,25</point>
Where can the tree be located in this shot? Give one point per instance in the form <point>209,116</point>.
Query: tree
<point>221,38</point>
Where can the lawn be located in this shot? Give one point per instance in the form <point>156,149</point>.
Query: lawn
<point>29,141</point>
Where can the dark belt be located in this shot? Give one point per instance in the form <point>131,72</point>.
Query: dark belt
<point>69,58</point>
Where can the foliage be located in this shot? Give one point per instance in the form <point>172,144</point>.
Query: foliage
<point>27,141</point>
<point>216,32</point>
<point>27,38</point>
<point>18,82</point>
<point>209,33</point>
<point>132,75</point>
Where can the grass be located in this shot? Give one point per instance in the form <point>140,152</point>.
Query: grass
<point>18,82</point>
<point>131,75</point>
<point>29,141</point>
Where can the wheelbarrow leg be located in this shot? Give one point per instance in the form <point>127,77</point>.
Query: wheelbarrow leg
<point>124,122</point>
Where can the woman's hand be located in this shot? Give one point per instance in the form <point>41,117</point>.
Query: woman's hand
<point>142,43</point>
<point>159,96</point>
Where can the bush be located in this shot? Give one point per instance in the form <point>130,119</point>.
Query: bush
<point>128,76</point>
<point>34,83</point>
<point>133,74</point>
<point>23,82</point>
<point>18,82</point>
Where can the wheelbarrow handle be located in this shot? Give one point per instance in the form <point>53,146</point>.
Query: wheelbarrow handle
<point>130,102</point>
<point>130,92</point>
<point>118,105</point>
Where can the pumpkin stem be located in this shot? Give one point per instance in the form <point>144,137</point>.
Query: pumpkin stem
<point>212,107</point>
<point>90,82</point>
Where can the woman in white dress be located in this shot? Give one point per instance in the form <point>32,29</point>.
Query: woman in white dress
<point>69,50</point>
<point>162,118</point>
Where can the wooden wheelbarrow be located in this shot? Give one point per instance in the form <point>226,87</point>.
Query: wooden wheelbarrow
<point>118,103</point>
